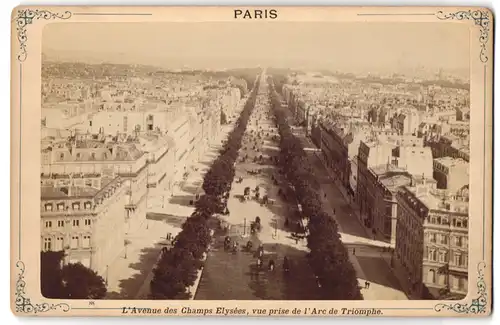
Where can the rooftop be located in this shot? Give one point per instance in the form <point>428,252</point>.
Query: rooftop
<point>393,182</point>
<point>442,200</point>
<point>386,168</point>
<point>451,162</point>
<point>50,192</point>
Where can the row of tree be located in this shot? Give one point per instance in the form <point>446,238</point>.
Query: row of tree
<point>328,256</point>
<point>178,267</point>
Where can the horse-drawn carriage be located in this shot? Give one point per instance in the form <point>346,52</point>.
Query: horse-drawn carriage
<point>246,193</point>
<point>230,245</point>
<point>255,226</point>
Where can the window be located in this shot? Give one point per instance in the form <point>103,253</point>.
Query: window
<point>443,257</point>
<point>88,222</point>
<point>464,223</point>
<point>444,239</point>
<point>432,237</point>
<point>458,241</point>
<point>48,224</point>
<point>78,155</point>
<point>76,206</point>
<point>456,282</point>
<point>458,259</point>
<point>74,242</point>
<point>48,207</point>
<point>443,279</point>
<point>60,206</point>
<point>61,156</point>
<point>60,223</point>
<point>462,283</point>
<point>432,255</point>
<point>76,223</point>
<point>388,209</point>
<point>458,223</point>
<point>59,243</point>
<point>431,276</point>
<point>86,241</point>
<point>47,244</point>
<point>87,205</point>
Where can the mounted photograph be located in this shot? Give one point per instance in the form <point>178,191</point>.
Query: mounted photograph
<point>219,166</point>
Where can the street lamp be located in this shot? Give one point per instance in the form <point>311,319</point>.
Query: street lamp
<point>126,242</point>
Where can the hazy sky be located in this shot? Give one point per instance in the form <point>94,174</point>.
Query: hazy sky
<point>332,45</point>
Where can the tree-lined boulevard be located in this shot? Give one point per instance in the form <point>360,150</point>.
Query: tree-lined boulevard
<point>270,223</point>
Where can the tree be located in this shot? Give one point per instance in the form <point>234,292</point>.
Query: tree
<point>80,282</point>
<point>167,283</point>
<point>207,205</point>
<point>50,274</point>
<point>71,281</point>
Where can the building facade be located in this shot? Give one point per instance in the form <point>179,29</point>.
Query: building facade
<point>432,239</point>
<point>76,218</point>
<point>335,151</point>
<point>450,173</point>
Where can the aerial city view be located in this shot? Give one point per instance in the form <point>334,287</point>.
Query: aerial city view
<point>243,176</point>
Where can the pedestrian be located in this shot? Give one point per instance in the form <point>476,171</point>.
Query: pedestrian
<point>366,284</point>
<point>296,240</point>
<point>354,251</point>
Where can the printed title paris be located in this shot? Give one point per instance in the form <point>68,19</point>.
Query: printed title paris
<point>255,14</point>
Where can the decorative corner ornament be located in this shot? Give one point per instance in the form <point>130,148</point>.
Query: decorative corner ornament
<point>480,18</point>
<point>24,304</point>
<point>477,305</point>
<point>26,17</point>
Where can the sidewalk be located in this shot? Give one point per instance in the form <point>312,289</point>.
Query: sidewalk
<point>402,275</point>
<point>352,203</point>
<point>129,271</point>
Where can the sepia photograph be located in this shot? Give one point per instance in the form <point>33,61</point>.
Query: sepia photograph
<point>261,166</point>
<point>258,160</point>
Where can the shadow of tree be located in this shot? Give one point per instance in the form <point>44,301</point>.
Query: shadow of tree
<point>193,188</point>
<point>130,287</point>
<point>170,219</point>
<point>183,200</point>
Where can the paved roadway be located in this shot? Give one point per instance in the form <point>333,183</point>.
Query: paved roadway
<point>228,275</point>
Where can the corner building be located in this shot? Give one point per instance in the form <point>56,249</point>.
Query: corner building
<point>432,240</point>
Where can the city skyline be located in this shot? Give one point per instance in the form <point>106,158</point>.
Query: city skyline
<point>393,47</point>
